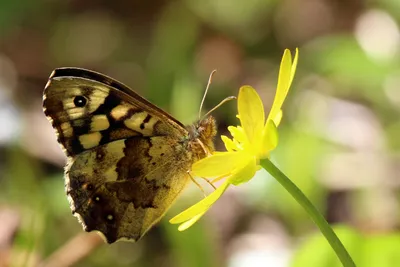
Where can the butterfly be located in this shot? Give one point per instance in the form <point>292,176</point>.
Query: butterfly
<point>127,160</point>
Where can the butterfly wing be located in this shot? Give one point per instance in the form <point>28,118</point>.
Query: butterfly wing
<point>124,187</point>
<point>88,109</point>
<point>127,159</point>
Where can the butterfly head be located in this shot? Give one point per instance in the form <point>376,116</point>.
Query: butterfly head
<point>204,130</point>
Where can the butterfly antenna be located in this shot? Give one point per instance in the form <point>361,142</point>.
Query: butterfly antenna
<point>205,93</point>
<point>229,98</point>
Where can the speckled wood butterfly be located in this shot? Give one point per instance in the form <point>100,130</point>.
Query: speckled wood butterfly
<point>128,160</point>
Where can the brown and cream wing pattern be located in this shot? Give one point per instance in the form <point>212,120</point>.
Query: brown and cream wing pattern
<point>123,192</point>
<point>87,112</point>
<point>127,159</point>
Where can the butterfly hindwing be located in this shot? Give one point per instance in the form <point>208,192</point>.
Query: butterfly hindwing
<point>126,190</point>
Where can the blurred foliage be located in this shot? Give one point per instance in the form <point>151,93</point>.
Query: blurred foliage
<point>339,140</point>
<point>367,250</point>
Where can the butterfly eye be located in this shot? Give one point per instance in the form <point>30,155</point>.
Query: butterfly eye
<point>80,101</point>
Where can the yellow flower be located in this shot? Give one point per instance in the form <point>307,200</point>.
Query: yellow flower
<point>252,141</point>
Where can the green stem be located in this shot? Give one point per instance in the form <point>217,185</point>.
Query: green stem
<point>316,216</point>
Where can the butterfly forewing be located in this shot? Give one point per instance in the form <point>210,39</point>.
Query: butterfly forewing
<point>87,113</point>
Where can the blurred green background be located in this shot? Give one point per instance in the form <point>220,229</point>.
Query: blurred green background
<point>339,138</point>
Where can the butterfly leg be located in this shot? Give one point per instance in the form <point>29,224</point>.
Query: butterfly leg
<point>217,179</point>
<point>210,183</point>
<point>196,183</point>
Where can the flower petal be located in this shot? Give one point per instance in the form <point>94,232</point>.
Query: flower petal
<point>270,138</point>
<point>294,66</point>
<point>217,164</point>
<point>198,209</point>
<point>278,117</point>
<point>237,133</point>
<point>245,173</point>
<point>286,73</point>
<point>190,222</point>
<point>229,144</point>
<point>251,112</point>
